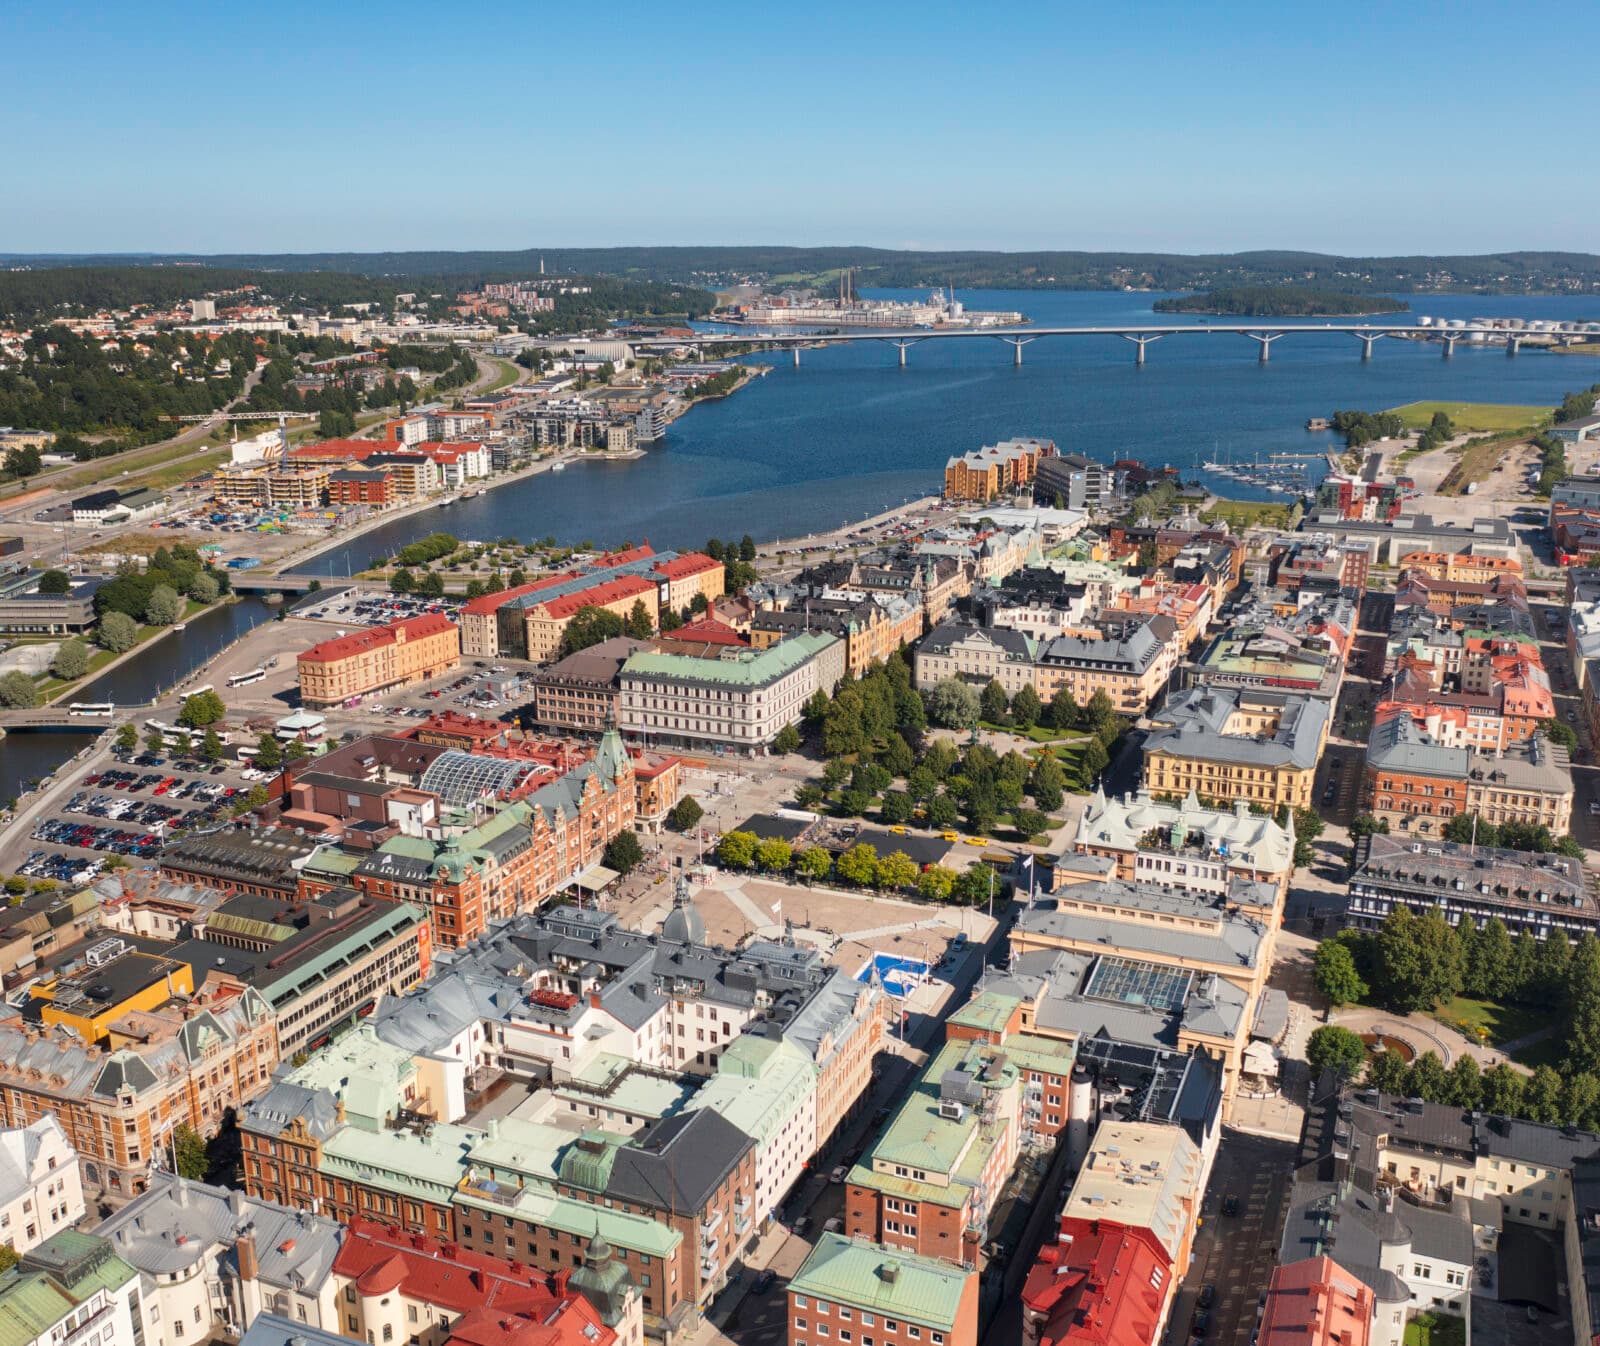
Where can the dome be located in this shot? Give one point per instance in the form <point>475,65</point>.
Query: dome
<point>684,924</point>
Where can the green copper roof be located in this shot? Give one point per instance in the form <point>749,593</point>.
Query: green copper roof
<point>989,1012</point>
<point>886,1281</point>
<point>588,1160</point>
<point>425,1167</point>
<point>752,668</point>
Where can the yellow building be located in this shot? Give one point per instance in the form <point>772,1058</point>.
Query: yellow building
<point>993,470</point>
<point>546,623</point>
<point>1478,565</point>
<point>1259,747</point>
<point>413,649</point>
<point>116,980</point>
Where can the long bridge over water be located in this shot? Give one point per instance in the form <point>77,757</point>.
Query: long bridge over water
<point>1262,333</point>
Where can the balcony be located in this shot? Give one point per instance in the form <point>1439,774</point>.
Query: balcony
<point>711,1223</point>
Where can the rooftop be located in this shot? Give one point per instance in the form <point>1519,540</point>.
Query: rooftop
<point>881,1280</point>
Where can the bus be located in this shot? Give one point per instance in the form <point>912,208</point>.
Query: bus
<point>245,679</point>
<point>197,691</point>
<point>100,710</point>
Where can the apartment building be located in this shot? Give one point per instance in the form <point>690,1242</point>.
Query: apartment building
<point>982,474</point>
<point>413,649</point>
<point>41,1185</point>
<point>852,1285</point>
<point>584,691</point>
<point>1259,747</point>
<point>872,628</point>
<point>70,1283</point>
<point>545,619</point>
<point>1479,563</point>
<point>742,701</point>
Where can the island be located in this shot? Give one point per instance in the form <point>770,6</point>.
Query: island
<point>1282,301</point>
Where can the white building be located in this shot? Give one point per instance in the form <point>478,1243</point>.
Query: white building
<point>41,1189</point>
<point>73,1290</point>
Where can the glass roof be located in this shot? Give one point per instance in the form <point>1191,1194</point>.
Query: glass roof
<point>462,778</point>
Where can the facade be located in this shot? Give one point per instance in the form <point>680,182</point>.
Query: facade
<point>41,1188</point>
<point>1257,747</point>
<point>70,1288</point>
<point>741,702</point>
<point>893,1297</point>
<point>26,611</point>
<point>584,691</point>
<point>545,621</point>
<point>413,649</point>
<point>996,469</point>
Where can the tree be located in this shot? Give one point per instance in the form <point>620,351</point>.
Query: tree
<point>737,850</point>
<point>1502,1090</point>
<point>747,548</point>
<point>1026,708</point>
<point>814,863</point>
<point>994,704</point>
<point>402,581</point>
<point>589,626</point>
<point>1364,825</point>
<point>808,796</point>
<point>200,710</point>
<point>203,588</point>
<point>211,749</point>
<point>1100,716</point>
<point>9,1256</point>
<point>1029,822</point>
<point>164,606</point>
<point>269,752</point>
<point>1541,1096</point>
<point>17,691</point>
<point>431,585</point>
<point>1334,973</point>
<point>1307,828</point>
<point>190,1147</point>
<point>815,708</point>
<point>843,728</point>
<point>155,741</point>
<point>855,802</point>
<point>686,814</point>
<point>942,811</point>
<point>953,704</point>
<point>127,736</point>
<point>897,758</point>
<point>1427,1079</point>
<point>935,883</point>
<point>71,660</point>
<point>1419,961</point>
<point>788,740</point>
<point>910,715</point>
<point>1583,992</point>
<point>835,774</point>
<point>774,855</point>
<point>974,884</point>
<point>294,750</point>
<point>1465,1086</point>
<point>897,870</point>
<point>624,853</point>
<point>117,632</point>
<point>896,808</point>
<point>641,628</point>
<point>1524,975</point>
<point>1387,1072</point>
<point>1560,733</point>
<point>1064,711</point>
<point>1337,1049</point>
<point>1580,1101</point>
<point>55,582</point>
<point>1095,760</point>
<point>859,865</point>
<point>940,758</point>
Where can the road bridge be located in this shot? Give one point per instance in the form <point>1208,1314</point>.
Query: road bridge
<point>1262,333</point>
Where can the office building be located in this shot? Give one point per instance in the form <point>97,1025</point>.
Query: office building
<point>411,650</point>
<point>1261,747</point>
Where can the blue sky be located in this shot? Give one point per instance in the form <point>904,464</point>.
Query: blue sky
<point>290,127</point>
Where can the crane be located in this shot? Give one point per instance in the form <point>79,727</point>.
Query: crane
<point>282,417</point>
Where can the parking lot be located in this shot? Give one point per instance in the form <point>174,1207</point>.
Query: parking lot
<point>372,607</point>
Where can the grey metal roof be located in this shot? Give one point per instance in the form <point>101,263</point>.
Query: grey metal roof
<point>283,1102</point>
<point>679,1162</point>
<point>1193,725</point>
<point>1227,936</point>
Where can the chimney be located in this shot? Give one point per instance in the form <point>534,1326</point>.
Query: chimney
<point>250,1304</point>
<point>338,1110</point>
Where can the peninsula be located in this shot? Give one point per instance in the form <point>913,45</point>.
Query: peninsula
<point>1281,301</point>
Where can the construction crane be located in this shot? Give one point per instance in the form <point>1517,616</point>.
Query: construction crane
<point>282,417</point>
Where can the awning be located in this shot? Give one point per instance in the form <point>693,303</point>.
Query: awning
<point>596,877</point>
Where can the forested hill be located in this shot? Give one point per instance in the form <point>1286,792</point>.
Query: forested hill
<point>1281,301</point>
<point>1515,272</point>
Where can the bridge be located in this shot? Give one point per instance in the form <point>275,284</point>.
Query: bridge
<point>57,719</point>
<point>1262,333</point>
<point>260,582</point>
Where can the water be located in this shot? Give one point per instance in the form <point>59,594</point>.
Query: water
<point>166,661</point>
<point>850,434</point>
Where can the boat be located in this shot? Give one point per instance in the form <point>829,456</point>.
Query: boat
<point>181,626</point>
<point>558,467</point>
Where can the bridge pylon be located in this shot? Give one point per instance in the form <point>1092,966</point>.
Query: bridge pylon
<point>1264,340</point>
<point>1367,343</point>
<point>1141,341</point>
<point>904,344</point>
<point>1016,344</point>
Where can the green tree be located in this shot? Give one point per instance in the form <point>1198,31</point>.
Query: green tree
<point>269,752</point>
<point>211,749</point>
<point>71,660</point>
<point>127,736</point>
<point>640,626</point>
<point>1307,828</point>
<point>200,710</point>
<point>1419,961</point>
<point>814,863</point>
<point>1560,733</point>
<point>747,548</point>
<point>897,870</point>
<point>1465,1088</point>
<point>190,1147</point>
<point>1100,716</point>
<point>1583,993</point>
<point>774,855</point>
<point>1541,1097</point>
<point>1502,1091</point>
<point>910,715</point>
<point>624,853</point>
<point>788,740</point>
<point>1525,953</point>
<point>294,750</point>
<point>1338,1049</point>
<point>18,691</point>
<point>953,705</point>
<point>1029,822</point>
<point>431,585</point>
<point>816,707</point>
<point>940,758</point>
<point>402,581</point>
<point>855,802</point>
<point>54,582</point>
<point>1064,711</point>
<point>737,850</point>
<point>686,814</point>
<point>155,741</point>
<point>896,808</point>
<point>1095,760</point>
<point>164,606</point>
<point>994,704</point>
<point>1026,708</point>
<point>589,625</point>
<point>835,774</point>
<point>843,728</point>
<point>974,884</point>
<point>858,865</point>
<point>1334,973</point>
<point>935,883</point>
<point>203,588</point>
<point>116,632</point>
<point>1364,825</point>
<point>1488,961</point>
<point>942,812</point>
<point>1427,1079</point>
<point>1387,1072</point>
<point>1580,1101</point>
<point>897,757</point>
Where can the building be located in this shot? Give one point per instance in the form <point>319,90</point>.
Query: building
<point>1480,563</point>
<point>996,469</point>
<point>1417,785</point>
<point>584,691</point>
<point>741,702</point>
<point>26,611</point>
<point>872,628</point>
<point>413,649</point>
<point>1316,1302</point>
<point>1261,652</point>
<point>1261,747</point>
<point>894,1297</point>
<point>545,619</point>
<point>213,1260</point>
<point>41,1187</point>
<point>192,1065</point>
<point>412,475</point>
<point>1390,539</point>
<point>1183,844</point>
<point>1073,480</point>
<point>360,486</point>
<point>1540,892</point>
<point>69,1289</point>
<point>1292,561</point>
<point>114,980</point>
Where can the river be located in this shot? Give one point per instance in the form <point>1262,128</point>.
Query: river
<point>850,434</point>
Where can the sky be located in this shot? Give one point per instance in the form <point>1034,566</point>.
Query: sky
<point>1347,128</point>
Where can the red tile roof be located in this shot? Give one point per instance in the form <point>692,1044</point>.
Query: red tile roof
<point>627,586</point>
<point>688,563</point>
<point>1316,1302</point>
<point>487,603</point>
<point>575,1323</point>
<point>1102,1284</point>
<point>706,631</point>
<point>616,558</point>
<point>342,647</point>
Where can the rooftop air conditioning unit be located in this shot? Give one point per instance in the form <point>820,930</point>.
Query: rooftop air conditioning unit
<point>952,1110</point>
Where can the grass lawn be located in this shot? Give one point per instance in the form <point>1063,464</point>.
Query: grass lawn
<point>1436,1329</point>
<point>51,687</point>
<point>1502,1023</point>
<point>508,376</point>
<point>1038,734</point>
<point>1474,417</point>
<point>1248,513</point>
